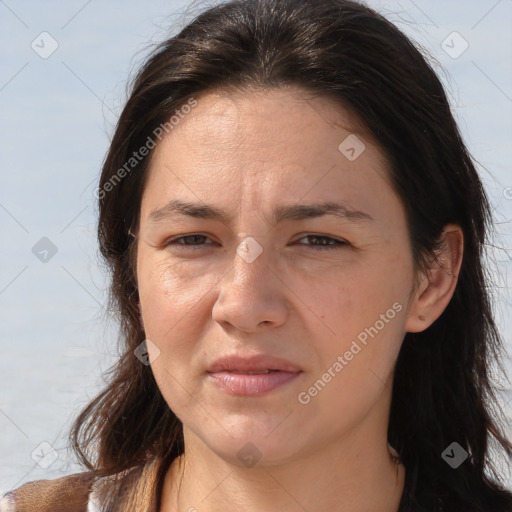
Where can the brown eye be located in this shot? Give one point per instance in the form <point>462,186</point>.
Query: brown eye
<point>195,240</point>
<point>323,242</point>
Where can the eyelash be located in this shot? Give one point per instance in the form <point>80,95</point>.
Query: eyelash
<point>338,245</point>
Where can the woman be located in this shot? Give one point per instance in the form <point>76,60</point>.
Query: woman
<point>295,232</point>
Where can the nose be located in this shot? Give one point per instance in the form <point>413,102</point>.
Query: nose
<point>251,294</point>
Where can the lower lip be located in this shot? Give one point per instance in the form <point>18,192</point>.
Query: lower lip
<point>252,385</point>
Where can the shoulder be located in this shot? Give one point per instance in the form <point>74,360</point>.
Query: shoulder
<point>135,488</point>
<point>65,494</point>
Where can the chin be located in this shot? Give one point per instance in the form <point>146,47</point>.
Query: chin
<point>247,442</point>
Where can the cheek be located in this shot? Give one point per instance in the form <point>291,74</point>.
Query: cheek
<point>364,315</point>
<point>357,295</point>
<point>168,296</point>
<point>171,306</point>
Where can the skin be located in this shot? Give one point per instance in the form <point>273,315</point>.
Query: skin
<point>247,153</point>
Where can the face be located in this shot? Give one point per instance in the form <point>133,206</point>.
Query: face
<point>320,295</point>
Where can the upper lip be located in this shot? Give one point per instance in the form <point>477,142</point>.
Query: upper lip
<point>258,362</point>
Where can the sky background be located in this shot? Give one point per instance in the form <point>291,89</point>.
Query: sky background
<point>57,115</point>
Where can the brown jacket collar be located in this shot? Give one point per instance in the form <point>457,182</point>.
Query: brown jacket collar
<point>134,489</point>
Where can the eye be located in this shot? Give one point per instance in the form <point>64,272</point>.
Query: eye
<point>320,242</point>
<point>195,236</point>
<point>326,242</point>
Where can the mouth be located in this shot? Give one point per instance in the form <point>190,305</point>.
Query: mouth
<point>256,363</point>
<point>256,372</point>
<point>252,375</point>
<point>250,383</point>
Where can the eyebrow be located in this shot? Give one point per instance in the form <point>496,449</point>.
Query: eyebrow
<point>279,214</point>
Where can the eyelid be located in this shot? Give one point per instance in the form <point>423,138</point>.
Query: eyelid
<point>340,242</point>
<point>186,235</point>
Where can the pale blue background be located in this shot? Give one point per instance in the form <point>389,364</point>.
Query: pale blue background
<point>56,118</point>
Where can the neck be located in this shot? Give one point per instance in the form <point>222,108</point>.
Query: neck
<point>355,475</point>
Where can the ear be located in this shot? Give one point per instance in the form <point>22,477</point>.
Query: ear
<point>437,287</point>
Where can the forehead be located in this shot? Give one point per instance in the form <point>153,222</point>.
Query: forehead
<point>265,146</point>
<point>231,121</point>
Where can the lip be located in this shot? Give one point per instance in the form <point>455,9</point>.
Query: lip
<point>225,372</point>
<point>256,362</point>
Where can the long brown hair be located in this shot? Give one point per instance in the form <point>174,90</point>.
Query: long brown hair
<point>343,50</point>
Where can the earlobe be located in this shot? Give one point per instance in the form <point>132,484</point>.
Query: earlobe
<point>438,286</point>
